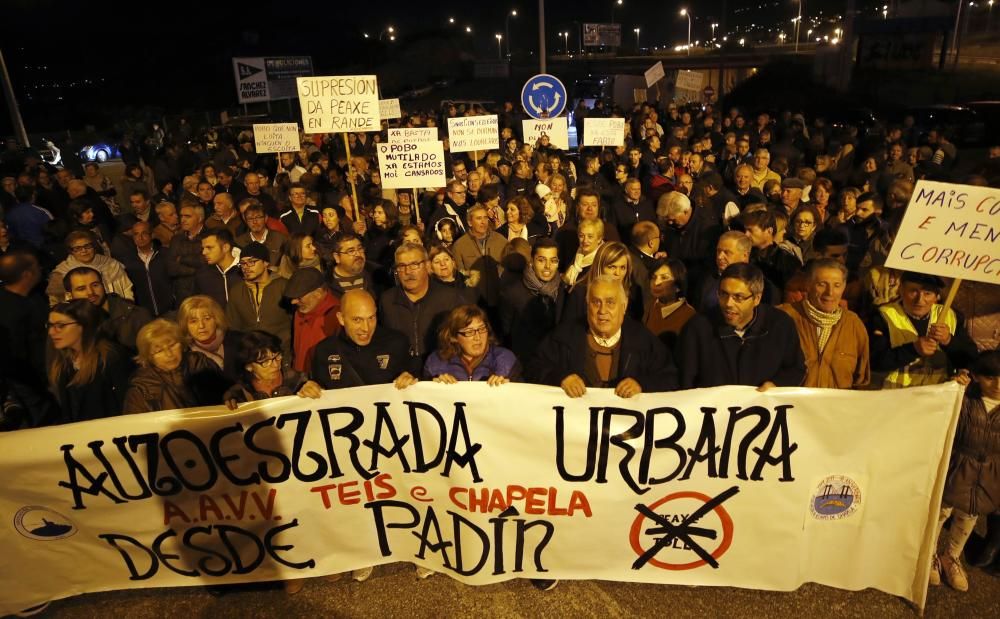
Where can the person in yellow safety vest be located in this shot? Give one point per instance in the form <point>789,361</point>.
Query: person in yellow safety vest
<point>909,346</point>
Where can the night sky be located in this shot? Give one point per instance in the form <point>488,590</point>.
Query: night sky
<point>70,61</point>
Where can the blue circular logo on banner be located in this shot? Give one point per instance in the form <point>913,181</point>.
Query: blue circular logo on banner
<point>543,96</point>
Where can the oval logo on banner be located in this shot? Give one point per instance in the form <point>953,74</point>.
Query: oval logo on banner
<point>42,524</point>
<point>835,497</point>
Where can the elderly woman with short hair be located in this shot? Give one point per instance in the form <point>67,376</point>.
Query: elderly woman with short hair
<point>169,376</point>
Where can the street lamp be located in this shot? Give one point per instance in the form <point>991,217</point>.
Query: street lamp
<point>636,31</point>
<point>499,46</point>
<point>616,3</point>
<point>686,13</point>
<point>781,37</point>
<point>798,23</point>
<point>468,30</point>
<point>565,36</point>
<point>451,20</point>
<point>714,26</point>
<point>506,26</point>
<point>390,31</point>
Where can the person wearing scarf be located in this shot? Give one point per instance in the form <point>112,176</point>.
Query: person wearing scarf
<point>591,235</point>
<point>315,316</point>
<point>834,340</point>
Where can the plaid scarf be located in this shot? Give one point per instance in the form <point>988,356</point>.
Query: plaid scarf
<point>824,320</point>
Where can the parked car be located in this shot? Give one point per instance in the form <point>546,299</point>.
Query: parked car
<point>100,151</point>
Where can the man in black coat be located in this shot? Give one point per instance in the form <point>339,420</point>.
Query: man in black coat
<point>630,209</point>
<point>531,306</point>
<point>146,266</point>
<point>741,342</point>
<point>363,353</point>
<point>690,233</point>
<point>610,350</point>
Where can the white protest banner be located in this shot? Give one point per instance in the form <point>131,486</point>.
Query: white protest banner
<point>557,130</point>
<point>603,131</point>
<point>469,133</point>
<point>950,230</point>
<point>337,104</point>
<point>389,108</point>
<point>251,80</point>
<point>721,487</point>
<point>276,138</point>
<point>655,73</point>
<point>413,134</point>
<point>409,165</point>
<point>689,80</point>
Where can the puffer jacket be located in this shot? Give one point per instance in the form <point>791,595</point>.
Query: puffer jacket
<point>498,361</point>
<point>973,484</point>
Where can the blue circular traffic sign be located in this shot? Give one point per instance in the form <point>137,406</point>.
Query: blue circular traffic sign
<point>543,96</point>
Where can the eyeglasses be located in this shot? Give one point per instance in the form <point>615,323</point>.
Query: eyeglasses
<point>739,298</point>
<point>59,326</point>
<point>256,218</point>
<point>353,251</point>
<point>269,361</point>
<point>76,249</point>
<point>249,263</point>
<point>483,330</point>
<point>409,266</point>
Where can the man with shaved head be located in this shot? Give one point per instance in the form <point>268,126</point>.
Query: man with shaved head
<point>363,353</point>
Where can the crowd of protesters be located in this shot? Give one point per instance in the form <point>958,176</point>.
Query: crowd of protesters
<point>711,249</point>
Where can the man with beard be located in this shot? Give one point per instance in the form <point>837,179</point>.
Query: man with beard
<point>351,269</point>
<point>531,307</point>
<point>124,318</point>
<point>256,304</point>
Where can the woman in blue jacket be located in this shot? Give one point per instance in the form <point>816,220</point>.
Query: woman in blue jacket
<point>467,350</point>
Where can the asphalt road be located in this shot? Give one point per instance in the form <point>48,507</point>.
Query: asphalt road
<point>394,591</point>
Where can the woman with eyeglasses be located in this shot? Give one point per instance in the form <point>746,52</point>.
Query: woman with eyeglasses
<point>83,249</point>
<point>87,373</point>
<point>263,376</point>
<point>467,351</point>
<point>805,221</point>
<point>170,375</point>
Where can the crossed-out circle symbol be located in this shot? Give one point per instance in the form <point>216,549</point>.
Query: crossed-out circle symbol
<point>683,531</point>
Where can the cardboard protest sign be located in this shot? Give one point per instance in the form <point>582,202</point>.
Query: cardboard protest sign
<point>276,138</point>
<point>469,133</point>
<point>413,134</point>
<point>407,165</point>
<point>950,230</point>
<point>389,108</point>
<point>557,130</point>
<point>689,80</point>
<point>655,73</point>
<point>337,104</point>
<point>720,487</point>
<point>603,131</point>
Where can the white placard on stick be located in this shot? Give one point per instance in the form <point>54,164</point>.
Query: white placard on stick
<point>654,74</point>
<point>950,230</point>
<point>470,133</point>
<point>556,128</point>
<point>603,131</point>
<point>412,164</point>
<point>689,80</point>
<point>389,108</point>
<point>276,138</point>
<point>336,104</point>
<point>413,134</point>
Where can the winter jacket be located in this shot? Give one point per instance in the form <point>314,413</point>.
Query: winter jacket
<point>844,363</point>
<point>218,284</point>
<point>152,389</point>
<point>184,261</point>
<point>973,483</point>
<point>712,354</point>
<point>151,283</point>
<point>471,256</point>
<point>124,321</point>
<point>102,397</point>
<point>419,321</point>
<point>244,313</point>
<point>338,362</point>
<point>641,356</point>
<point>498,361</point>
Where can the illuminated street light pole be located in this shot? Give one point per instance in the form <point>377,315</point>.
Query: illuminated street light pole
<point>686,13</point>
<point>616,3</point>
<point>798,26</point>
<point>15,113</point>
<point>565,41</point>
<point>714,26</point>
<point>506,25</point>
<point>499,46</point>
<point>636,30</point>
